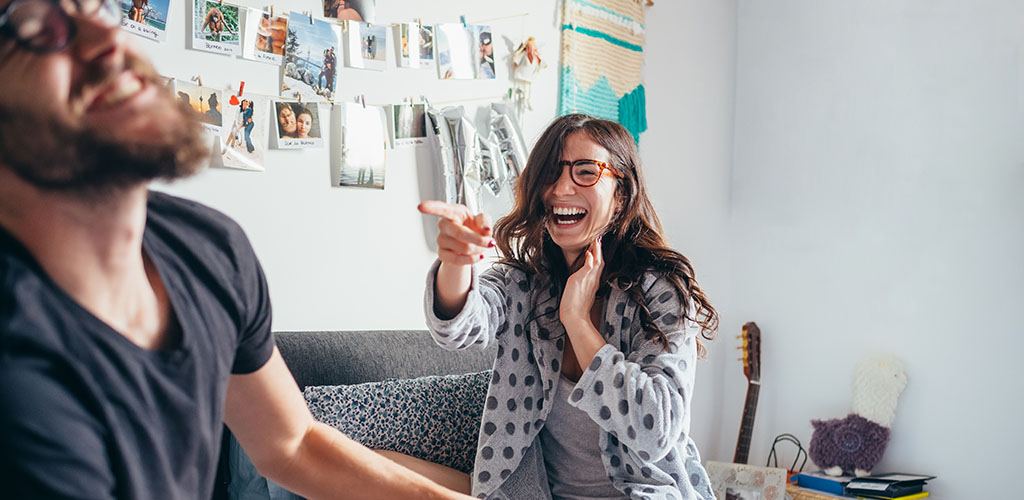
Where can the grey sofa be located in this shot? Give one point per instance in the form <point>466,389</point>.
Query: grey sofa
<point>355,357</point>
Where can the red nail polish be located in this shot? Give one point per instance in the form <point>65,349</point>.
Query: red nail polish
<point>481,256</point>
<point>491,244</point>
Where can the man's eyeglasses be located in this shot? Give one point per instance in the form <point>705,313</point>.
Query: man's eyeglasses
<point>45,26</point>
<point>586,173</point>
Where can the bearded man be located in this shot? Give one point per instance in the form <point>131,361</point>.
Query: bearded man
<point>134,324</point>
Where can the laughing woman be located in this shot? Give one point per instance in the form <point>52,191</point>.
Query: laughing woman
<point>599,325</point>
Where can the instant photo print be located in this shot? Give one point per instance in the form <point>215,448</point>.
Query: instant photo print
<point>206,102</point>
<point>312,52</point>
<point>265,36</point>
<point>216,27</point>
<point>297,125</point>
<point>366,46</point>
<point>243,139</point>
<point>352,10</point>
<point>146,18</point>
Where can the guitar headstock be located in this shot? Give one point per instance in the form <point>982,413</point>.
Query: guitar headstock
<point>751,347</point>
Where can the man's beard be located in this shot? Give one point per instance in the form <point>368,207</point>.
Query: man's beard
<point>54,155</point>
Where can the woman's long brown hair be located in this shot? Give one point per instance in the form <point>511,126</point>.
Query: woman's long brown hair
<point>633,242</point>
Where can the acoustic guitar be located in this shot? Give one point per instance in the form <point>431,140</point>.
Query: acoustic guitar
<point>751,346</point>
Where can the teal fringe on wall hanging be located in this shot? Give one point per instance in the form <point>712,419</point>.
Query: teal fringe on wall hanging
<point>602,61</point>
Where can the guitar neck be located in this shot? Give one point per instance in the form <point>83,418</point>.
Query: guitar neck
<point>747,425</point>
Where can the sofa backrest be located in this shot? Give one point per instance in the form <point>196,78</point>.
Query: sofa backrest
<point>355,357</point>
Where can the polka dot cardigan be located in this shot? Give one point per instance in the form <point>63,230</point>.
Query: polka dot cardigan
<point>638,393</point>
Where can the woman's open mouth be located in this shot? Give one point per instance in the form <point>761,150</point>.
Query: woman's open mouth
<point>564,216</point>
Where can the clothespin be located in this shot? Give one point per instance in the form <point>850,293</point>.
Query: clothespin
<point>411,101</point>
<point>271,10</point>
<point>198,79</point>
<point>234,98</point>
<point>310,14</point>
<point>362,99</point>
<point>419,22</point>
<point>463,19</point>
<point>344,26</point>
<point>299,94</point>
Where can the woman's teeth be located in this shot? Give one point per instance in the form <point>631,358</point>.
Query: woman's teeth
<point>568,215</point>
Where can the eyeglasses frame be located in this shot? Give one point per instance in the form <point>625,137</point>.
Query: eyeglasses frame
<point>71,25</point>
<point>603,166</point>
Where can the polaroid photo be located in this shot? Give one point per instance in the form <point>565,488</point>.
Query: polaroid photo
<point>311,58</point>
<point>456,52</point>
<point>298,125</point>
<point>408,124</point>
<point>146,18</point>
<point>216,27</point>
<point>243,139</point>
<point>264,37</point>
<point>361,157</point>
<point>205,102</point>
<point>352,10</point>
<point>484,52</point>
<point>366,46</point>
<point>426,42</point>
<point>407,41</point>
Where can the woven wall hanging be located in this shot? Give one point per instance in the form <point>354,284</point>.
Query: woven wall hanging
<point>603,61</point>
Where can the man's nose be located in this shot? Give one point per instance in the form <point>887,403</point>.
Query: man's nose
<point>96,41</point>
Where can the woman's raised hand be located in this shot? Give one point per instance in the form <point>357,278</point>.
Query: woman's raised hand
<point>463,236</point>
<point>581,287</point>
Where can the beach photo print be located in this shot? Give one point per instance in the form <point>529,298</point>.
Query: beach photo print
<point>205,102</point>
<point>311,58</point>
<point>215,27</point>
<point>366,46</point>
<point>146,18</point>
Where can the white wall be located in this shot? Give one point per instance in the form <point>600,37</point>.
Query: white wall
<point>687,153</point>
<point>877,208</point>
<point>351,258</point>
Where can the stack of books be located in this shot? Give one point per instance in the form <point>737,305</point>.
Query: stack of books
<point>891,486</point>
<point>820,481</point>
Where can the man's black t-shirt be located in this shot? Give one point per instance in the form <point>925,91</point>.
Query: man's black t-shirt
<point>86,413</point>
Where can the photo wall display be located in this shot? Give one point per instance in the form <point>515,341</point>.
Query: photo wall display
<point>216,27</point>
<point>359,159</point>
<point>243,138</point>
<point>408,124</point>
<point>298,125</point>
<point>205,102</point>
<point>146,18</point>
<point>414,45</point>
<point>311,56</point>
<point>464,52</point>
<point>366,46</point>
<point>353,10</point>
<point>265,36</point>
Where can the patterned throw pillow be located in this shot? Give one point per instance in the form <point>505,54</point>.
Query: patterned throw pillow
<point>433,418</point>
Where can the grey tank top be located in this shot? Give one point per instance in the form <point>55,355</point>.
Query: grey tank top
<point>571,453</point>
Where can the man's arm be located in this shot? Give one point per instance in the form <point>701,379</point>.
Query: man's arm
<point>268,415</point>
